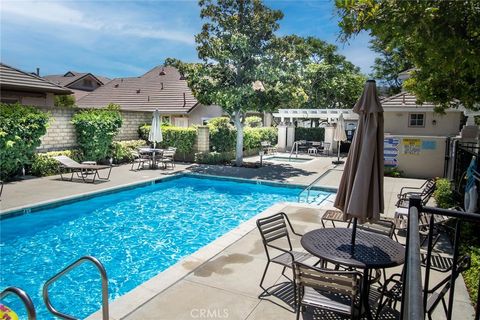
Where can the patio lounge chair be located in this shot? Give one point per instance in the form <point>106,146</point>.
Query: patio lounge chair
<point>425,191</point>
<point>274,229</point>
<point>82,170</point>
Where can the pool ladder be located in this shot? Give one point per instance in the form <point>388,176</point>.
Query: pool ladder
<point>29,304</point>
<point>24,297</point>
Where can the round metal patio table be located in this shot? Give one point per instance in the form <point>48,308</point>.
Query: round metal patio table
<point>371,251</point>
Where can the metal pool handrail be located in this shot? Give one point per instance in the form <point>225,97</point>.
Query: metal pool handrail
<point>103,274</point>
<point>310,186</point>
<point>24,297</point>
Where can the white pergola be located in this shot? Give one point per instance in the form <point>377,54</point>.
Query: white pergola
<point>329,115</point>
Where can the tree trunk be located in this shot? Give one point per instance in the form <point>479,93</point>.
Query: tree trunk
<point>239,148</point>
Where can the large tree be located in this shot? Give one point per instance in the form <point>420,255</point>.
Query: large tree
<point>440,38</point>
<point>323,77</point>
<point>389,65</point>
<point>233,44</point>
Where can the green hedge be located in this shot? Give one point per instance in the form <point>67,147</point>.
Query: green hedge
<point>121,151</point>
<point>223,136</point>
<point>181,138</point>
<point>443,194</point>
<point>214,157</point>
<point>44,165</point>
<point>96,129</point>
<point>310,134</point>
<point>21,128</point>
<point>252,137</point>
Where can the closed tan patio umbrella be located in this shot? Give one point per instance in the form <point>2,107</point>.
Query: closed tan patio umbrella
<point>339,135</point>
<point>360,194</point>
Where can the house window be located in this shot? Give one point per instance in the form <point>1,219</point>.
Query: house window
<point>181,122</point>
<point>416,120</point>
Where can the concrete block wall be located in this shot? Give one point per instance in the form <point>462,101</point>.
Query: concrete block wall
<point>131,121</point>
<point>60,133</point>
<point>203,139</point>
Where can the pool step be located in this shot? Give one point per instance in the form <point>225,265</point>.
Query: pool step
<point>315,197</point>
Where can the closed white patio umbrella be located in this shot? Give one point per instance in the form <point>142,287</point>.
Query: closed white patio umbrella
<point>155,134</point>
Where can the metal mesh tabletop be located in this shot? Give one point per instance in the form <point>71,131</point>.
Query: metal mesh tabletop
<point>370,250</point>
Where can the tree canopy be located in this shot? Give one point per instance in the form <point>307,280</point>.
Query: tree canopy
<point>232,44</point>
<point>440,38</point>
<point>389,65</point>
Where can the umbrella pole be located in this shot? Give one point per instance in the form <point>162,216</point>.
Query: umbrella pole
<point>354,232</point>
<point>338,154</point>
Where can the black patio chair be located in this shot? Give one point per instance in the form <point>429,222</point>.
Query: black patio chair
<point>274,229</point>
<point>425,192</point>
<point>391,291</point>
<point>332,291</point>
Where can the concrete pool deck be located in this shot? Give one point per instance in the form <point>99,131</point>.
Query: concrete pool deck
<point>221,279</point>
<point>29,192</point>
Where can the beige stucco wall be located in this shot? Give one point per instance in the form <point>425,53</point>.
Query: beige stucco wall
<point>200,112</point>
<point>396,123</point>
<point>31,99</point>
<point>427,162</point>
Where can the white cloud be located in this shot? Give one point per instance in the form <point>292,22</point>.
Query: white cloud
<point>107,22</point>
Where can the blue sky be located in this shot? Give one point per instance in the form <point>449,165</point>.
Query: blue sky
<point>127,38</point>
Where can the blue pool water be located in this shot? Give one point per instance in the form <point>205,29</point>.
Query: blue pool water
<point>135,233</point>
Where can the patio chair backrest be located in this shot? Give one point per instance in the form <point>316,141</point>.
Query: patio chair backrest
<point>66,161</point>
<point>332,281</point>
<point>265,143</point>
<point>316,143</point>
<point>274,228</point>
<point>441,289</point>
<point>429,188</point>
<point>326,145</point>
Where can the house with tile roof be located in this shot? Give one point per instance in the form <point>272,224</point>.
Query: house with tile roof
<point>404,116</point>
<point>81,83</point>
<point>27,88</point>
<point>161,88</point>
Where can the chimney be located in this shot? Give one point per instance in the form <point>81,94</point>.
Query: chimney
<point>38,71</point>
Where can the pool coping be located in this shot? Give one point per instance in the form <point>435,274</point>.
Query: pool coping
<point>48,204</point>
<point>133,300</point>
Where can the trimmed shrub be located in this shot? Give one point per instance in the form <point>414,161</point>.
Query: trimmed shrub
<point>44,165</point>
<point>253,122</point>
<point>310,134</point>
<point>96,129</point>
<point>443,194</point>
<point>223,135</point>
<point>252,137</point>
<point>214,157</point>
<point>181,138</point>
<point>21,128</point>
<point>143,131</point>
<point>121,151</point>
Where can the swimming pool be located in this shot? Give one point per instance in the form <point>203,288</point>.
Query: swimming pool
<point>288,159</point>
<point>135,233</point>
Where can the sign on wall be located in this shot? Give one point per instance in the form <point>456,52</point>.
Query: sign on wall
<point>412,146</point>
<point>390,151</point>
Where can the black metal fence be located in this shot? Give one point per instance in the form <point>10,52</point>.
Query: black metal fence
<point>415,298</point>
<point>464,151</point>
